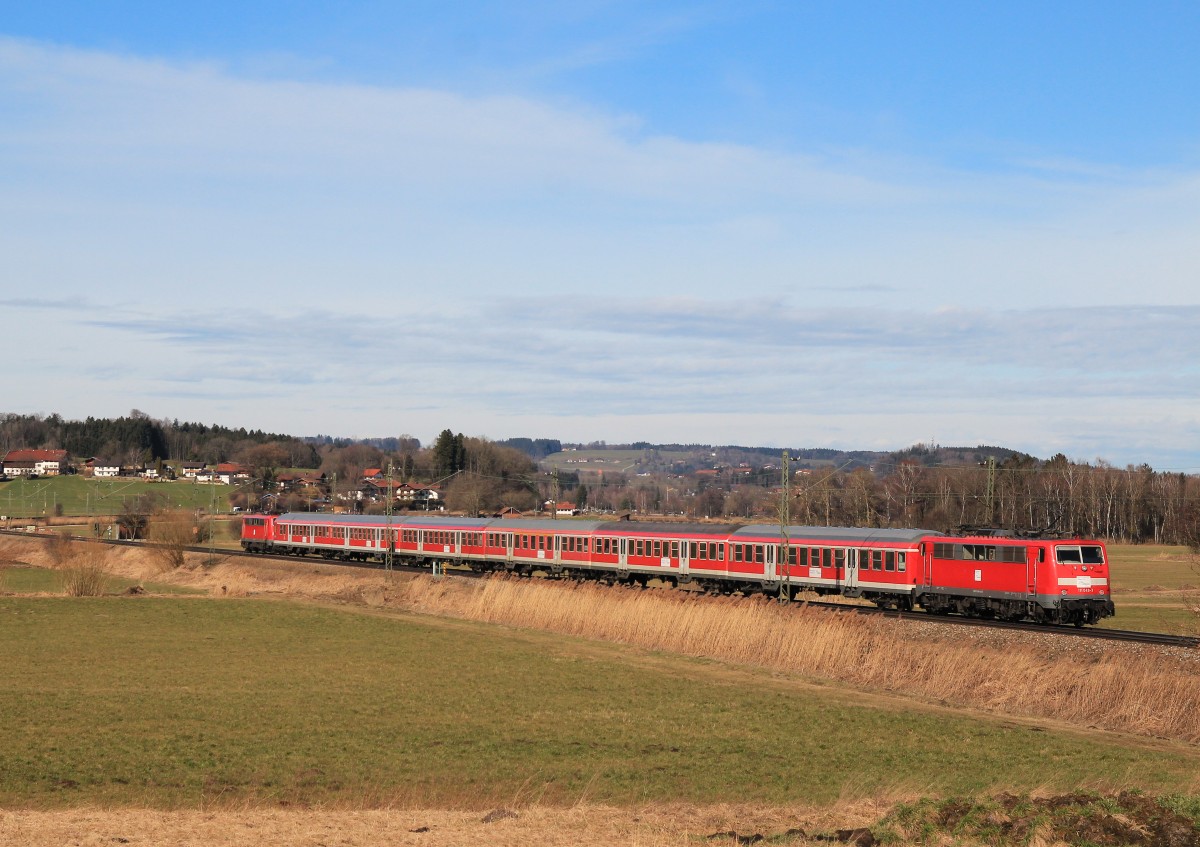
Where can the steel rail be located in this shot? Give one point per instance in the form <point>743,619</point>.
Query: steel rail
<point>1125,635</point>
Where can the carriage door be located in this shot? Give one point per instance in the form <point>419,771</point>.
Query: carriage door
<point>769,571</point>
<point>685,558</point>
<point>457,542</point>
<point>622,560</point>
<point>850,571</point>
<point>1031,560</point>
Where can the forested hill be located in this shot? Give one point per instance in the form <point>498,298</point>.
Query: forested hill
<point>138,438</point>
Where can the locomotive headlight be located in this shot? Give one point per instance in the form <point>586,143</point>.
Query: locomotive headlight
<point>1064,592</point>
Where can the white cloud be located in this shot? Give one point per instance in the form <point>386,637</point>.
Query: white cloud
<point>501,260</point>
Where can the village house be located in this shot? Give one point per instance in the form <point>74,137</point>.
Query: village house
<point>423,495</point>
<point>226,472</point>
<point>35,462</point>
<point>290,481</point>
<point>105,468</point>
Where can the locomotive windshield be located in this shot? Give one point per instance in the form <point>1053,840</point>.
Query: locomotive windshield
<point>1085,555</point>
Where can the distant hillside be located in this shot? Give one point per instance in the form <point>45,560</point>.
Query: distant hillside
<point>644,457</point>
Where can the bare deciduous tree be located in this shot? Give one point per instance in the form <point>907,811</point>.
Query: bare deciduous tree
<point>171,533</point>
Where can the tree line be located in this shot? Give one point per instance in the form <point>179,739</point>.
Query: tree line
<point>1021,494</point>
<point>137,439</point>
<point>941,489</point>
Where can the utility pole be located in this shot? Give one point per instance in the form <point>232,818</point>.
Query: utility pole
<point>391,547</point>
<point>785,518</point>
<point>212,517</point>
<point>554,507</point>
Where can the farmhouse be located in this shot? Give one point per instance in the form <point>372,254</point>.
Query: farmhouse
<point>35,462</point>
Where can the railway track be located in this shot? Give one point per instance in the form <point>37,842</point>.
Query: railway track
<point>1126,635</point>
<point>1121,635</point>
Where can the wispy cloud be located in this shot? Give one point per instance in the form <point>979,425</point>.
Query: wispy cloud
<point>313,248</point>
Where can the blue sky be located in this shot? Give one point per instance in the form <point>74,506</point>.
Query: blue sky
<point>857,225</point>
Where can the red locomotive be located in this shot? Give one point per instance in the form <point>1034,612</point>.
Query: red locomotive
<point>1060,580</point>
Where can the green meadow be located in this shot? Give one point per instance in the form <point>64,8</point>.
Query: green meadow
<point>1156,588</point>
<point>83,496</point>
<point>172,702</point>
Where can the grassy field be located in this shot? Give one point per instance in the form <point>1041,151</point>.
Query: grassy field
<point>168,702</point>
<point>78,495</point>
<point>30,580</point>
<point>1156,588</point>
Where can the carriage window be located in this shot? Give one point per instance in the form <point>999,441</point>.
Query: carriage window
<point>692,553</point>
<point>804,557</point>
<point>1093,555</point>
<point>839,558</point>
<point>721,552</point>
<point>889,561</point>
<point>877,561</point>
<point>674,549</point>
<point>900,565</point>
<point>737,552</point>
<point>758,553</point>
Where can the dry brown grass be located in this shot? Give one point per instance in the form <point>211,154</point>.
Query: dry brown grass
<point>1103,690</point>
<point>579,826</point>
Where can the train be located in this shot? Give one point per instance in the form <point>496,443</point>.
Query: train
<point>1055,581</point>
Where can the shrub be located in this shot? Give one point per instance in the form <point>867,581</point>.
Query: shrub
<point>85,571</point>
<point>60,549</point>
<point>171,533</point>
<point>84,579</point>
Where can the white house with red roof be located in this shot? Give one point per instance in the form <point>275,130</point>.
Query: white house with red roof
<point>39,462</point>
